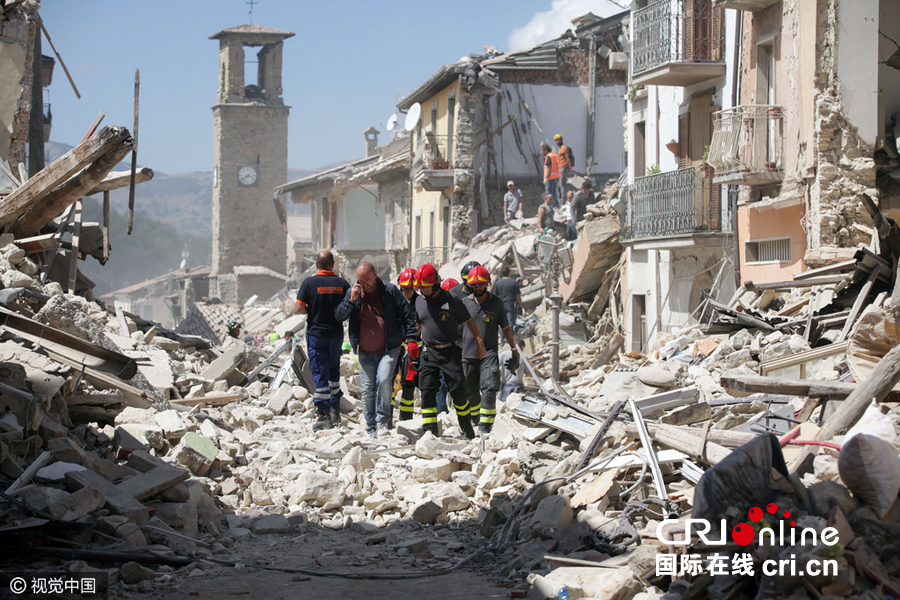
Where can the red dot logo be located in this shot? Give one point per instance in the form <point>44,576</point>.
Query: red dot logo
<point>793,523</point>
<point>786,514</point>
<point>742,534</point>
<point>771,508</point>
<point>756,514</point>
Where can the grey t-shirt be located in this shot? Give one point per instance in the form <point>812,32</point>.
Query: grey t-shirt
<point>512,200</point>
<point>490,318</point>
<point>440,318</point>
<point>508,289</point>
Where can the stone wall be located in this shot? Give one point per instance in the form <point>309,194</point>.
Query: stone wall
<point>463,173</point>
<point>246,229</point>
<point>17,30</point>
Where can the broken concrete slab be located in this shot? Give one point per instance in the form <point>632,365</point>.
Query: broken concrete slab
<point>196,452</point>
<point>279,399</point>
<point>267,524</point>
<point>225,365</point>
<point>80,504</point>
<point>117,501</point>
<point>66,450</point>
<point>155,481</point>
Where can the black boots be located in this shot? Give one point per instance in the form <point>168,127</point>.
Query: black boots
<point>465,423</point>
<point>335,413</point>
<point>323,421</point>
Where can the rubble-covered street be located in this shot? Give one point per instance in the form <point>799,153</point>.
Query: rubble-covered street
<point>705,398</point>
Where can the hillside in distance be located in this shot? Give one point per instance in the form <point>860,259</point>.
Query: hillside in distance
<point>182,200</point>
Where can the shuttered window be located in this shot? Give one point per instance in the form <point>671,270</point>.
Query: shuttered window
<point>767,251</point>
<point>684,133</point>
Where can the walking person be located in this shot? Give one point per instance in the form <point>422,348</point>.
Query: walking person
<point>507,289</point>
<point>409,366</point>
<point>512,202</point>
<point>551,173</point>
<point>566,162</point>
<point>482,373</point>
<point>441,315</point>
<point>581,200</point>
<point>318,298</point>
<point>380,320</point>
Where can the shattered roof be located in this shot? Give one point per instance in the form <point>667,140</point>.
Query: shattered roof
<point>539,58</point>
<point>345,170</point>
<point>209,320</point>
<point>386,169</point>
<point>256,270</point>
<point>444,76</point>
<point>149,283</point>
<point>252,30</point>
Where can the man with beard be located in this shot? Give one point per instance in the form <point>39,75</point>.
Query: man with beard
<point>482,373</point>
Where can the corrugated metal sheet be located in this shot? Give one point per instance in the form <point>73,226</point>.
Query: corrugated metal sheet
<point>541,58</point>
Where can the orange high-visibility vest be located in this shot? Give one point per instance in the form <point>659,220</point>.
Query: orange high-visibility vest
<point>554,167</point>
<point>564,154</point>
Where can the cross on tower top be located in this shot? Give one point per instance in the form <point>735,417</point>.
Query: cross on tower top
<point>251,3</point>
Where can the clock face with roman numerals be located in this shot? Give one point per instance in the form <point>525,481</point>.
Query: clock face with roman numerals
<point>247,175</point>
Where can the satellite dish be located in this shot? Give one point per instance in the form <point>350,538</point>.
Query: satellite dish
<point>392,123</point>
<point>412,117</point>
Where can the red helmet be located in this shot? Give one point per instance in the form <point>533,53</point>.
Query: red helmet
<point>449,284</point>
<point>426,276</point>
<point>478,275</point>
<point>407,278</point>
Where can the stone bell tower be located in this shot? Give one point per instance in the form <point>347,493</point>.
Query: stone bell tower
<point>250,155</point>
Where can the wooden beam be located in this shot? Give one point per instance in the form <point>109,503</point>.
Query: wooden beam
<point>858,303</point>
<point>830,390</point>
<point>118,179</point>
<point>73,253</point>
<point>137,90</point>
<point>786,285</point>
<point>63,197</point>
<point>105,226</point>
<point>877,385</point>
<point>211,400</point>
<point>41,185</point>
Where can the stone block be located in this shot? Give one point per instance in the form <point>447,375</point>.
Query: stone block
<point>425,511</point>
<point>40,497</point>
<point>172,424</point>
<point>319,488</point>
<point>66,450</point>
<point>138,436</point>
<point>270,524</point>
<point>143,461</point>
<point>429,446</point>
<point>196,452</point>
<point>117,501</point>
<point>552,513</point>
<point>77,505</point>
<point>358,459</point>
<point>439,469</point>
<point>132,572</point>
<point>223,366</point>
<point>278,401</point>
<point>449,496</point>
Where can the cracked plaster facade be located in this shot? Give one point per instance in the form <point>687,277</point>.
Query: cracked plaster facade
<point>17,30</point>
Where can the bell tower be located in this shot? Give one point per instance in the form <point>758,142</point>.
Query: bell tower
<point>249,154</point>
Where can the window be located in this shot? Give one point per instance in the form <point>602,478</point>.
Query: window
<point>638,322</point>
<point>431,227</point>
<point>434,117</point>
<point>418,231</point>
<point>767,251</point>
<point>451,109</point>
<point>639,163</point>
<point>446,229</point>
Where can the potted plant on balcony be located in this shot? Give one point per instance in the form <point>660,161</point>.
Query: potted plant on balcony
<point>706,169</point>
<point>653,170</point>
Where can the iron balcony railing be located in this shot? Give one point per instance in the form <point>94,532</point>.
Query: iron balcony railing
<point>435,255</point>
<point>672,31</point>
<point>434,152</point>
<point>747,140</point>
<point>674,203</point>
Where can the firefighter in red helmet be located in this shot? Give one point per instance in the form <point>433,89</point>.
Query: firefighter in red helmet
<point>441,316</point>
<point>409,365</point>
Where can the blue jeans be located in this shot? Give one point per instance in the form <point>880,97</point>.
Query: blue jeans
<point>552,188</point>
<point>442,397</point>
<point>325,365</point>
<point>376,377</point>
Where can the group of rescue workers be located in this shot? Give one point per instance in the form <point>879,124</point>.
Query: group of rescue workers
<point>427,331</point>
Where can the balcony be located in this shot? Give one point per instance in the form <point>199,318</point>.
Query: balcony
<point>432,167</point>
<point>679,208</point>
<point>677,43</point>
<point>747,145</point>
<point>434,255</point>
<point>750,5</point>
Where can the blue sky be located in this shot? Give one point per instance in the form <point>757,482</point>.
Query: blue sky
<point>343,72</point>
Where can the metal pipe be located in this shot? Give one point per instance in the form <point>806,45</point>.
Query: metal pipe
<point>555,299</point>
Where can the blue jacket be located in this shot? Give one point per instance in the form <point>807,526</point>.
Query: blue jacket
<point>398,316</point>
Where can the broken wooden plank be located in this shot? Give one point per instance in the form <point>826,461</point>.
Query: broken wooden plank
<point>119,179</point>
<point>858,303</point>
<point>879,383</point>
<point>73,253</point>
<point>38,243</point>
<point>723,437</point>
<point>841,267</point>
<point>692,445</point>
<point>72,190</point>
<point>58,172</point>
<point>105,228</point>
<point>30,472</point>
<point>831,390</point>
<point>137,91</point>
<point>797,283</point>
<point>212,400</point>
<point>123,324</point>
<point>153,482</point>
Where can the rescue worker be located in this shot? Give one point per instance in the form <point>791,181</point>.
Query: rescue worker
<point>318,298</point>
<point>234,329</point>
<point>409,366</point>
<point>482,374</point>
<point>551,173</point>
<point>566,162</point>
<point>459,289</point>
<point>508,290</point>
<point>441,316</point>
